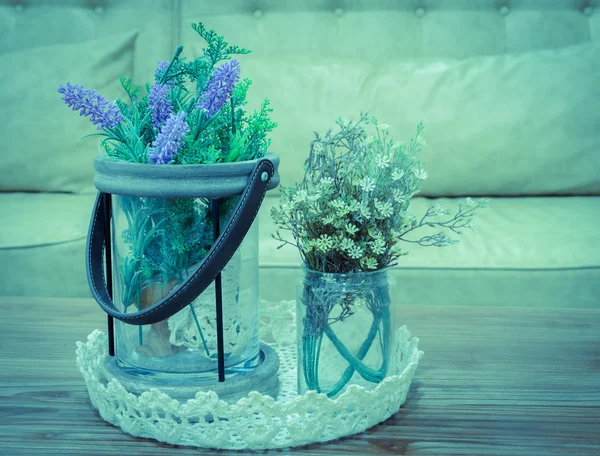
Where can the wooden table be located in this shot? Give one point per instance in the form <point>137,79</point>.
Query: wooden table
<point>493,381</point>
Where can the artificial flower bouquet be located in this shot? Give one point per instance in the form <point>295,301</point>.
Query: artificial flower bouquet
<point>193,113</point>
<point>347,218</point>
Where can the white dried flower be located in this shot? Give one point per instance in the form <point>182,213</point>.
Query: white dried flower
<point>364,210</point>
<point>369,263</point>
<point>326,182</point>
<point>367,184</point>
<point>310,244</point>
<point>420,173</point>
<point>336,203</point>
<point>329,219</point>
<point>398,196</point>
<point>325,243</point>
<point>396,145</point>
<point>314,196</point>
<point>355,252</point>
<point>350,228</point>
<point>342,211</point>
<point>384,208</point>
<point>383,161</point>
<point>346,244</point>
<point>397,174</point>
<point>438,210</point>
<point>352,205</point>
<point>378,246</point>
<point>300,196</point>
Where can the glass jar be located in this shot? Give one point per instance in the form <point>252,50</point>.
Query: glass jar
<point>344,330</point>
<point>156,243</point>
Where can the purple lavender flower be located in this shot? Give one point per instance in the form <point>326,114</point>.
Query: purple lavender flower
<point>219,88</point>
<point>89,103</point>
<point>160,104</point>
<point>170,139</point>
<point>159,72</point>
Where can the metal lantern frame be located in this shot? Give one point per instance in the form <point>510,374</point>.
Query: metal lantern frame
<point>250,180</point>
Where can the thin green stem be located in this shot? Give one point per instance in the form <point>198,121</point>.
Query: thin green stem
<point>317,357</point>
<point>199,330</point>
<point>175,57</point>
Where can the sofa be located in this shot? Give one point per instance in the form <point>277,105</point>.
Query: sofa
<point>507,89</point>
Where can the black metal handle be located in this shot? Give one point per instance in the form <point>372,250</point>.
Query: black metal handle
<point>215,260</point>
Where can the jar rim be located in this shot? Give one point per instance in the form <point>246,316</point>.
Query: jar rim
<point>216,180</point>
<point>340,275</point>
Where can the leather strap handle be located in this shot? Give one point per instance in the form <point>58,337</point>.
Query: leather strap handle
<point>215,260</point>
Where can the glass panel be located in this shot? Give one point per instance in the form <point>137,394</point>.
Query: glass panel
<point>157,243</point>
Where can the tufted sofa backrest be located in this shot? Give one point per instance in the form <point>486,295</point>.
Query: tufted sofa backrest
<point>379,29</point>
<point>371,29</point>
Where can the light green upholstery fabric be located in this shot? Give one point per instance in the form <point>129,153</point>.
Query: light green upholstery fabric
<point>37,219</point>
<point>38,129</point>
<point>42,244</point>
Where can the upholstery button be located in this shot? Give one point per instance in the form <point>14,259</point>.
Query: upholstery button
<point>338,12</point>
<point>257,14</point>
<point>503,10</point>
<point>420,12</point>
<point>99,10</point>
<point>587,11</point>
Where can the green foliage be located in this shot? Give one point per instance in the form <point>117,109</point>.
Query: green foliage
<point>132,92</point>
<point>240,91</point>
<point>125,109</point>
<point>258,125</point>
<point>165,237</point>
<point>353,206</point>
<point>238,146</point>
<point>218,49</point>
<point>197,70</point>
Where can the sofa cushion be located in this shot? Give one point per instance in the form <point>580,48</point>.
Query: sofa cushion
<point>525,251</point>
<point>42,245</point>
<point>37,219</point>
<point>39,132</point>
<point>514,124</point>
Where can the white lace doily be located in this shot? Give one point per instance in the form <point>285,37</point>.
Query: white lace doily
<point>255,421</point>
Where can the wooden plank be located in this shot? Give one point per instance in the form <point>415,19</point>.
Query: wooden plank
<point>493,381</point>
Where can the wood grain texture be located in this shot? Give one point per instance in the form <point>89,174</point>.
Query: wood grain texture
<point>493,381</point>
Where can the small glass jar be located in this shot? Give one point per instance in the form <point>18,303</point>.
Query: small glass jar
<point>345,330</point>
<point>157,242</point>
